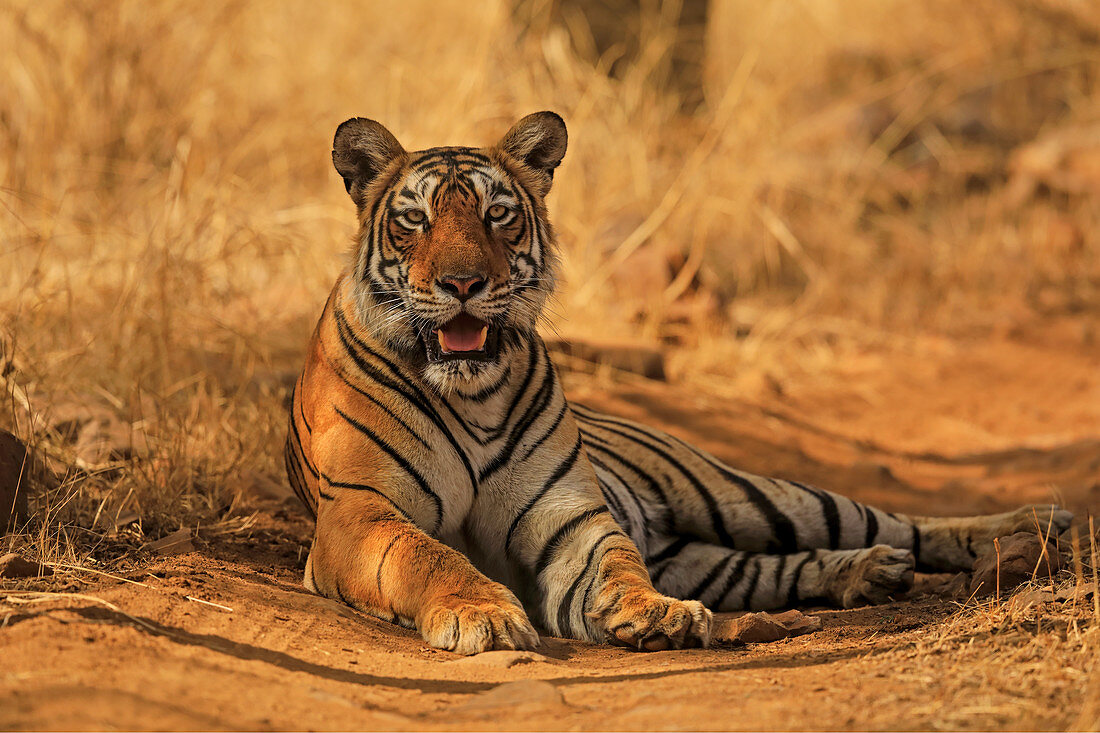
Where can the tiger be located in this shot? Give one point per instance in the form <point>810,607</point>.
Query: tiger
<point>455,489</point>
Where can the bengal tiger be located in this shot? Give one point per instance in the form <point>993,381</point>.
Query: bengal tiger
<point>454,487</point>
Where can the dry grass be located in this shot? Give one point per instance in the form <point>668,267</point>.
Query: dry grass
<point>170,223</point>
<point>1024,661</point>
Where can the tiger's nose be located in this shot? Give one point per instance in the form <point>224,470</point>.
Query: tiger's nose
<point>462,288</point>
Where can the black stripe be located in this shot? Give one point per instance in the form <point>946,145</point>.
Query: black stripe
<point>535,409</point>
<point>381,562</point>
<point>301,404</point>
<point>294,474</point>
<point>612,501</point>
<point>557,541</point>
<point>486,392</point>
<point>860,509</point>
<point>750,589</point>
<point>780,567</point>
<point>339,594</point>
<point>916,543</point>
<point>793,595</point>
<point>734,576</point>
<point>673,548</point>
<point>397,418</point>
<point>708,498</point>
<point>828,509</point>
<point>369,489</point>
<point>494,433</point>
<point>353,345</point>
<point>376,222</point>
<point>549,431</point>
<point>564,627</point>
<point>709,578</point>
<point>297,479</point>
<point>452,156</point>
<point>872,528</point>
<point>411,391</point>
<point>667,520</point>
<point>413,396</point>
<point>782,527</point>
<point>559,473</point>
<point>596,443</point>
<point>400,460</point>
<point>595,461</point>
<point>298,441</point>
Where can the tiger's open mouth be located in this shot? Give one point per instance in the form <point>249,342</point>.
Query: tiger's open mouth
<point>462,337</point>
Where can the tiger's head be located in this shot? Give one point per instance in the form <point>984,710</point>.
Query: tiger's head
<point>455,255</point>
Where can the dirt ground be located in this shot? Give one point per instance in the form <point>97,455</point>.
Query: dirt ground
<point>225,637</point>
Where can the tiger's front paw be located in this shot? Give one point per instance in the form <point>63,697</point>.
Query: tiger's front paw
<point>646,620</point>
<point>473,625</point>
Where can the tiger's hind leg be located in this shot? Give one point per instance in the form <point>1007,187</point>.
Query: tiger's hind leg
<point>953,543</point>
<point>700,497</point>
<point>736,580</point>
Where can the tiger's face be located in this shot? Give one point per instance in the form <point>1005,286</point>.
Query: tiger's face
<point>455,256</point>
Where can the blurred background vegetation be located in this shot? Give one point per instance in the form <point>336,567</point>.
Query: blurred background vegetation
<point>753,186</point>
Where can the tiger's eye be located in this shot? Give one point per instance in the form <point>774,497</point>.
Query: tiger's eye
<point>497,211</point>
<point>415,216</point>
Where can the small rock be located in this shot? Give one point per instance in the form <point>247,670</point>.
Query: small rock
<point>173,544</point>
<point>526,693</point>
<point>14,472</point>
<point>797,623</point>
<point>753,628</point>
<point>502,659</point>
<point>1021,559</point>
<point>13,565</point>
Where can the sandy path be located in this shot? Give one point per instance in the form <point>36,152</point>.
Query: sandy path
<point>128,656</point>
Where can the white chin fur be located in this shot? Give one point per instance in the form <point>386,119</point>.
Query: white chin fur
<point>467,376</point>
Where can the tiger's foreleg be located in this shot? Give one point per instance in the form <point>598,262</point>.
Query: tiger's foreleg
<point>590,577</point>
<point>368,555</point>
<point>624,608</point>
<point>593,585</point>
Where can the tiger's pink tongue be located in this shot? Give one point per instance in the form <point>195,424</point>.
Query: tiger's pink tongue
<point>463,333</point>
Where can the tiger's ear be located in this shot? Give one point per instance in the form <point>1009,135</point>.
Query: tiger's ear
<point>538,141</point>
<point>361,150</point>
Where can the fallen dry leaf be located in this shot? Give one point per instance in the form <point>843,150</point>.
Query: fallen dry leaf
<point>175,543</point>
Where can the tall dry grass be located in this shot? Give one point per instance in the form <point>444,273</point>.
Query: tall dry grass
<point>170,222</point>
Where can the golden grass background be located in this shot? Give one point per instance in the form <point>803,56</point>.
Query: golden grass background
<point>837,171</point>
